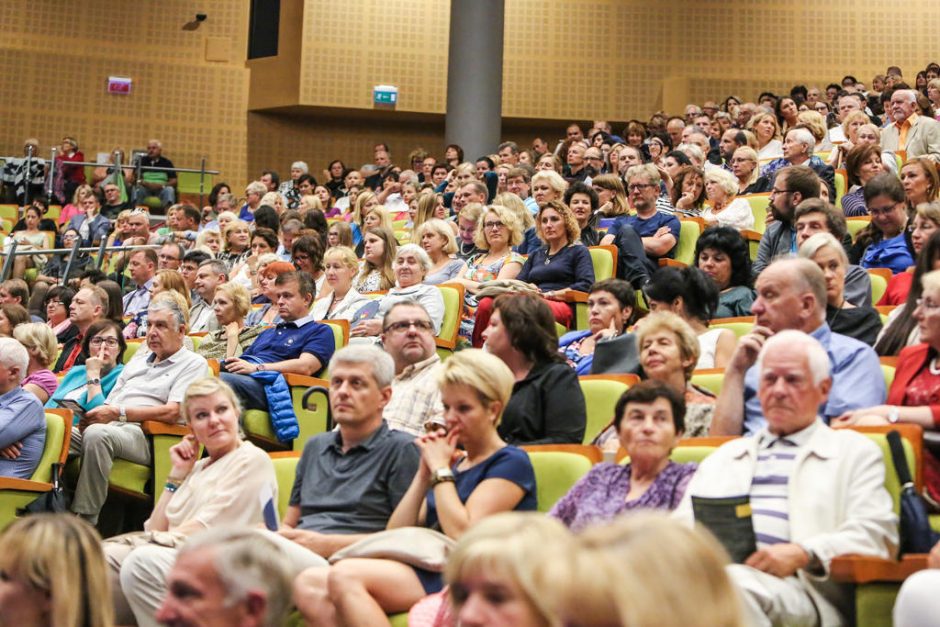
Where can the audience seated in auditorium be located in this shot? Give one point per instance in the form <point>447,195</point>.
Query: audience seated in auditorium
<point>211,274</point>
<point>451,491</point>
<point>916,135</point>
<point>40,343</point>
<point>920,181</point>
<point>835,502</point>
<point>723,254</point>
<point>154,183</point>
<point>547,405</point>
<point>605,346</point>
<point>791,294</point>
<point>230,305</point>
<point>408,337</point>
<point>341,301</point>
<point>232,484</point>
<point>297,345</point>
<point>151,387</point>
<point>88,385</point>
<point>689,293</point>
<point>88,305</point>
<point>885,243</point>
<point>410,266</point>
<point>649,420</point>
<point>163,281</point>
<point>142,267</point>
<point>816,215</point>
<point>792,185</point>
<point>860,322</point>
<point>22,420</point>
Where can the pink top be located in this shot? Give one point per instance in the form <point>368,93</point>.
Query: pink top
<point>44,379</point>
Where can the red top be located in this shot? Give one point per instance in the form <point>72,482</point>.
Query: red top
<point>898,288</point>
<point>913,383</point>
<point>74,173</point>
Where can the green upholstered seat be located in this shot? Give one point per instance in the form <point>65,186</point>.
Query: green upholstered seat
<point>600,397</point>
<point>555,474</point>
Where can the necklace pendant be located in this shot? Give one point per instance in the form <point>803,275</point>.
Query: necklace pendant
<point>548,260</point>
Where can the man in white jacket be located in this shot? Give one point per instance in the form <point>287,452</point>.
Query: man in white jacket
<point>814,492</point>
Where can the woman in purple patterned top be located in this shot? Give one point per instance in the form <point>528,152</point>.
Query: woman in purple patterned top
<point>649,419</point>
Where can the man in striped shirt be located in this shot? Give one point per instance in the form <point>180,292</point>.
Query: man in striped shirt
<point>814,493</point>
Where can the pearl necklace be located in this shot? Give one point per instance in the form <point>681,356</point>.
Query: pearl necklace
<point>932,366</point>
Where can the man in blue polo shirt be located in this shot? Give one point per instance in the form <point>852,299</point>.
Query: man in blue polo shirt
<point>297,345</point>
<point>658,231</point>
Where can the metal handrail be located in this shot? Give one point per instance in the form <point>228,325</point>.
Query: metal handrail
<point>73,253</point>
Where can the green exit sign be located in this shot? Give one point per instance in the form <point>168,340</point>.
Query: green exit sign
<point>386,95</point>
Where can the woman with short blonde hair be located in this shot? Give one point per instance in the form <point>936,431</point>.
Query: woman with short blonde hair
<point>548,185</point>
<point>724,208</point>
<point>766,129</point>
<point>437,239</point>
<point>611,194</point>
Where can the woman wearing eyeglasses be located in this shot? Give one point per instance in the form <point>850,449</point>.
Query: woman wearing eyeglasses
<point>88,385</point>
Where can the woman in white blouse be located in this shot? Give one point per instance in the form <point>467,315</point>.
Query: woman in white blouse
<point>232,485</point>
<point>340,268</point>
<point>723,207</point>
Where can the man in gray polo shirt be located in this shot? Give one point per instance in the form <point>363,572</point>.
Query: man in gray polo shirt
<point>349,481</point>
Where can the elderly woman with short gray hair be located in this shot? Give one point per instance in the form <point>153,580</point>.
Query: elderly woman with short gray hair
<point>411,266</point>
<point>862,323</point>
<point>724,208</point>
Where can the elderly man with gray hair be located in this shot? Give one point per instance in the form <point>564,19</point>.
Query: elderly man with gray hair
<point>227,576</point>
<point>917,135</point>
<point>348,480</point>
<point>22,418</point>
<point>150,387</point>
<point>809,493</point>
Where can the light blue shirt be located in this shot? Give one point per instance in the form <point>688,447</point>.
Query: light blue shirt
<point>22,419</point>
<point>138,300</point>
<point>857,380</point>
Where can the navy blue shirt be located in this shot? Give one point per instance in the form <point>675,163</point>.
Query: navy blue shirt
<point>569,267</point>
<point>509,463</point>
<point>287,340</point>
<point>648,227</point>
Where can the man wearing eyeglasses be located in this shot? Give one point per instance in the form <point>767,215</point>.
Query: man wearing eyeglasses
<point>659,231</point>
<point>112,201</point>
<point>791,186</point>
<point>408,336</point>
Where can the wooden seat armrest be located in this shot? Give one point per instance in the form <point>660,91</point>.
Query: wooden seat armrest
<point>574,296</point>
<point>666,262</point>
<point>299,380</point>
<point>860,569</point>
<point>154,427</point>
<point>24,485</point>
<point>442,343</point>
<point>590,451</point>
<point>751,236</point>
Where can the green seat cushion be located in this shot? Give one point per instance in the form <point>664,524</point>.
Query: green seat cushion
<point>129,476</point>
<point>555,474</point>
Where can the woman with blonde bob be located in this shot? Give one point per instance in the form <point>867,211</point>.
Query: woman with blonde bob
<point>488,477</point>
<point>437,239</point>
<point>231,485</point>
<point>644,570</point>
<point>611,194</point>
<point>342,301</point>
<point>54,574</point>
<point>499,554</point>
<point>547,186</point>
<point>765,127</point>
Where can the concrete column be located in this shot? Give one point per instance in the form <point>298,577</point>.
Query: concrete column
<point>475,76</point>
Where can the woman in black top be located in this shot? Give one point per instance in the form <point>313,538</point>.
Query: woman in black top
<point>861,323</point>
<point>547,405</point>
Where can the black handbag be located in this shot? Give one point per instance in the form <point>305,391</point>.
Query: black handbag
<point>53,501</point>
<point>916,534</point>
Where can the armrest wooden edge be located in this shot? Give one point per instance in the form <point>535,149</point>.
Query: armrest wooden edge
<point>865,569</point>
<point>575,296</point>
<point>300,380</point>
<point>24,485</point>
<point>153,427</point>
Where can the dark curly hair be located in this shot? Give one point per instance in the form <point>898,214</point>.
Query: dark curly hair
<point>729,241</point>
<point>530,325</point>
<point>699,293</point>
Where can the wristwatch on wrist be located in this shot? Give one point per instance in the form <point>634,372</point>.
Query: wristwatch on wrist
<point>894,414</point>
<point>95,381</point>
<point>122,416</point>
<point>441,475</point>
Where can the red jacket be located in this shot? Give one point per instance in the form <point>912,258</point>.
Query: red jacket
<point>911,361</point>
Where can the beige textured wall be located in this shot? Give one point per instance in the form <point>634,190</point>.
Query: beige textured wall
<point>56,57</point>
